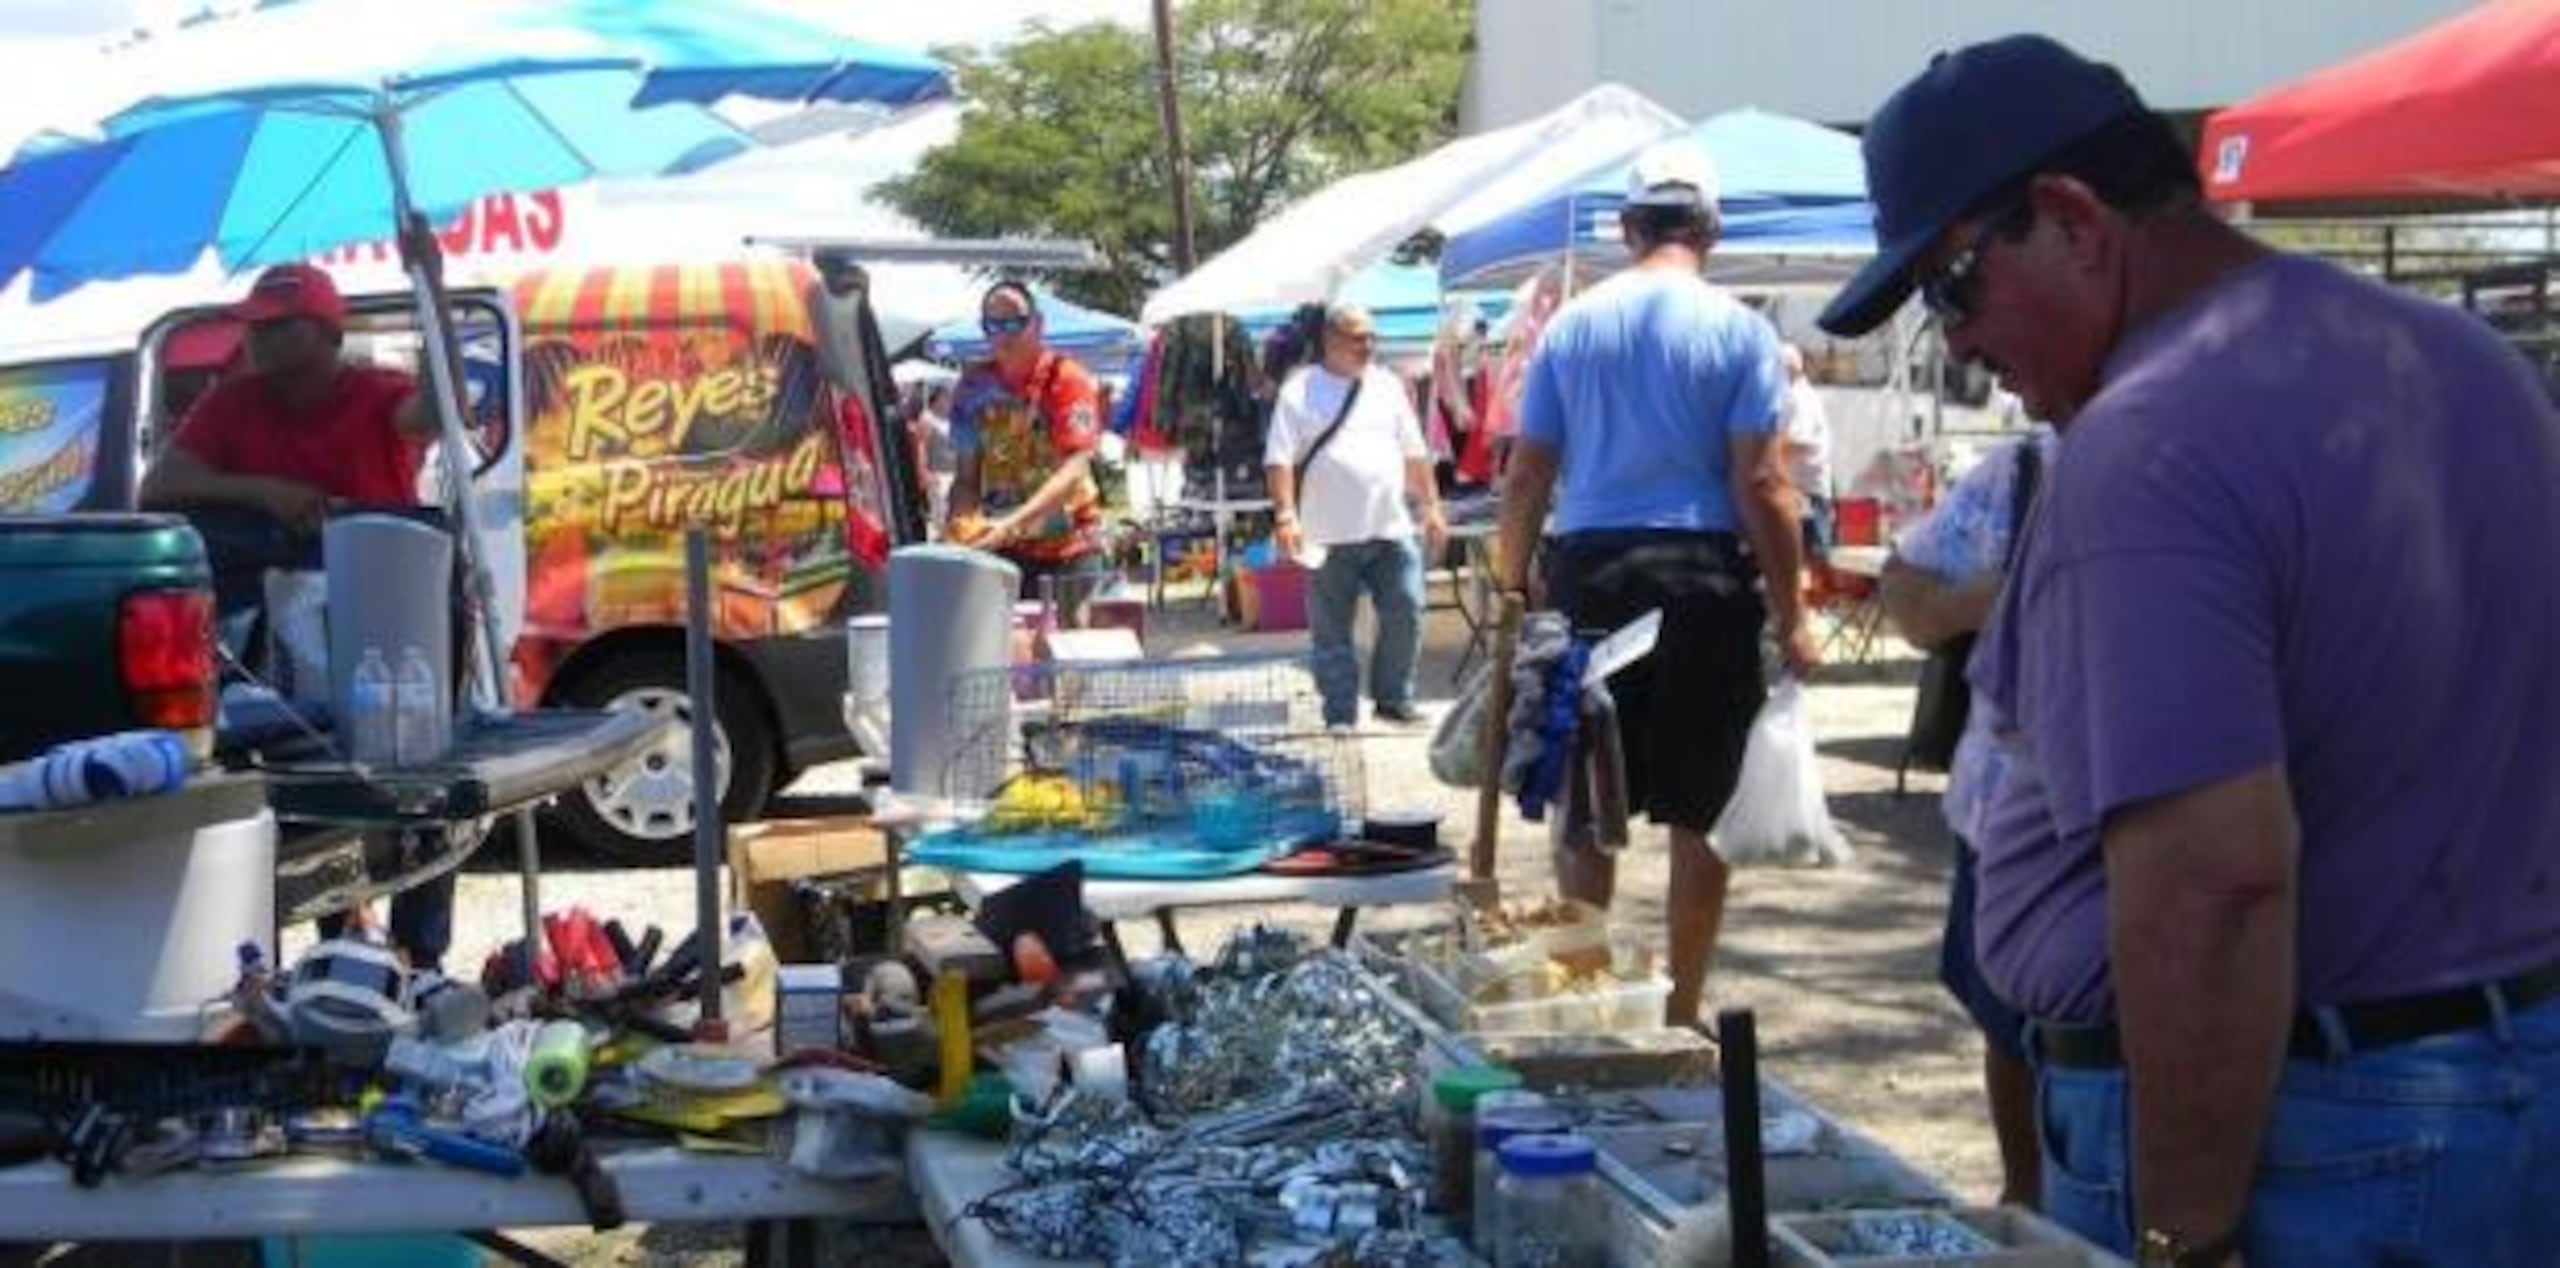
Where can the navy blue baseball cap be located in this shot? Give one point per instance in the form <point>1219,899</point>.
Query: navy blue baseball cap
<point>1976,120</point>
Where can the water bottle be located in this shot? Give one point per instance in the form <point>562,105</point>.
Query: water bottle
<point>418,730</point>
<point>373,735</point>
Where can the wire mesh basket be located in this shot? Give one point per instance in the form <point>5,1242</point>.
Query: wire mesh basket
<point>1225,757</point>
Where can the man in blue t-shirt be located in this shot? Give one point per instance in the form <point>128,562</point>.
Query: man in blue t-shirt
<point>2271,864</point>
<point>1649,419</point>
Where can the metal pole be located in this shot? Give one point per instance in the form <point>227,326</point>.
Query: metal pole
<point>1495,742</point>
<point>706,773</point>
<point>1738,1077</point>
<point>529,882</point>
<point>1186,251</point>
<point>454,443</point>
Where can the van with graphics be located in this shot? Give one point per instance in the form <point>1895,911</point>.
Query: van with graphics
<point>615,406</point>
<point>659,398</point>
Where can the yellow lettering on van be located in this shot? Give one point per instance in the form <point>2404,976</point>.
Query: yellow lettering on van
<point>596,393</point>
<point>646,417</point>
<point>626,493</point>
<point>34,413</point>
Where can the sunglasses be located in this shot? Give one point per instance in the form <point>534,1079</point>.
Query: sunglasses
<point>1012,325</point>
<point>1362,337</point>
<point>1947,291</point>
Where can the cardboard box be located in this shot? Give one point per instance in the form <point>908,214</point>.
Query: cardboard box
<point>765,858</point>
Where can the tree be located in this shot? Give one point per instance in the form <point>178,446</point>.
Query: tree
<point>1279,97</point>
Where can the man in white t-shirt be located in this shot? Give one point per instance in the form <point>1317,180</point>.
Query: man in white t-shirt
<point>1361,460</point>
<point>1806,428</point>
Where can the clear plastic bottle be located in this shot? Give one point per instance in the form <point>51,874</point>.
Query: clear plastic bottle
<point>372,730</point>
<point>419,726</point>
<point>1551,1213</point>
<point>1499,1117</point>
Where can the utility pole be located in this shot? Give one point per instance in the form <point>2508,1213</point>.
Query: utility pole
<point>1186,250</point>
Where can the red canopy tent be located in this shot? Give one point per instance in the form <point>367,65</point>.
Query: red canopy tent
<point>2468,108</point>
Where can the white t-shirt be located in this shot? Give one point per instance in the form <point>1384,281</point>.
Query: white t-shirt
<point>1354,491</point>
<point>1803,422</point>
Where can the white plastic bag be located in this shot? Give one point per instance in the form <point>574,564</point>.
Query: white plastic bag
<point>1777,815</point>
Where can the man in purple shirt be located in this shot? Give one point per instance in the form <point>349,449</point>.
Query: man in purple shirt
<point>2279,672</point>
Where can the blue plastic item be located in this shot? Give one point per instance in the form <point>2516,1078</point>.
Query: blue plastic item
<point>1123,856</point>
<point>372,1250</point>
<point>1547,1156</point>
<point>1556,731</point>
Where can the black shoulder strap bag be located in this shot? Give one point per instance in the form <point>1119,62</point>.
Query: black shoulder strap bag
<point>1945,700</point>
<point>1341,415</point>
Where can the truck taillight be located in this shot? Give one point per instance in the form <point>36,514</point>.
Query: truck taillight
<point>164,652</point>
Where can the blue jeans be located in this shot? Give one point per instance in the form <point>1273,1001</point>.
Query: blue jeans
<point>1390,572</point>
<point>421,921</point>
<point>2444,1151</point>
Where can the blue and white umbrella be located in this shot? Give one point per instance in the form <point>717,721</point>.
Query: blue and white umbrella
<point>302,125</point>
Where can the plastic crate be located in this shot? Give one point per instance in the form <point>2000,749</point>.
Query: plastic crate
<point>1626,1003</point>
<point>2013,1239</point>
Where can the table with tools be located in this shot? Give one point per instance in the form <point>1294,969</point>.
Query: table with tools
<point>39,1201</point>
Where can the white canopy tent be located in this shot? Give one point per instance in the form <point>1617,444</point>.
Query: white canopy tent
<point>1308,251</point>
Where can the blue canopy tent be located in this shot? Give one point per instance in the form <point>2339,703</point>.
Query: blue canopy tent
<point>1090,335</point>
<point>1794,200</point>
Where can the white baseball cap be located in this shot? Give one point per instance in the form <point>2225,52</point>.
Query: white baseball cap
<point>1673,173</point>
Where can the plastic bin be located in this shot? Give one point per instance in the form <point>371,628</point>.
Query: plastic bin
<point>1281,590</point>
<point>1627,1003</point>
<point>2015,1239</point>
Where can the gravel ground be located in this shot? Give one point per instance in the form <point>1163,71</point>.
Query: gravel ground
<point>1839,965</point>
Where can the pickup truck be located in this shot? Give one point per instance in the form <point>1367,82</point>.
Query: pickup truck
<point>106,624</point>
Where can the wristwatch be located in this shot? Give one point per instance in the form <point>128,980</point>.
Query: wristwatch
<point>2167,1248</point>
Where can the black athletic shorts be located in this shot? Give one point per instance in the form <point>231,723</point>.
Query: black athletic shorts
<point>1685,712</point>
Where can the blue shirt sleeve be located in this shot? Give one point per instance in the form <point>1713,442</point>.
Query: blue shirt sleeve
<point>1542,398</point>
<point>1756,402</point>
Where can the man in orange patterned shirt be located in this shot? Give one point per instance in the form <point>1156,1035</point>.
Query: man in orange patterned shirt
<point>1024,424</point>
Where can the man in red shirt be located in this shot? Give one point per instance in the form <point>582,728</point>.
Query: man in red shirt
<point>302,430</point>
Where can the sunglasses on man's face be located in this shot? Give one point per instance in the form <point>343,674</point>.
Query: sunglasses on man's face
<point>1948,291</point>
<point>1012,325</point>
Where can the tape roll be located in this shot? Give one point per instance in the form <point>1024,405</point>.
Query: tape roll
<point>555,1071</point>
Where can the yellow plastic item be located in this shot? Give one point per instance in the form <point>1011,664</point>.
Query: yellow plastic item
<point>1029,802</point>
<point>951,1024</point>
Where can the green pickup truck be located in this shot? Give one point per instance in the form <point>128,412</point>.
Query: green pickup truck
<point>106,624</point>
<point>106,617</point>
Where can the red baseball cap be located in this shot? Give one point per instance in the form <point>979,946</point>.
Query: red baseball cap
<point>293,290</point>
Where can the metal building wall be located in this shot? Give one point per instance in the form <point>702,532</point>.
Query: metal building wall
<point>1833,60</point>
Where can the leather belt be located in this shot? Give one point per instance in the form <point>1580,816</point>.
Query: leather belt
<point>2360,1027</point>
